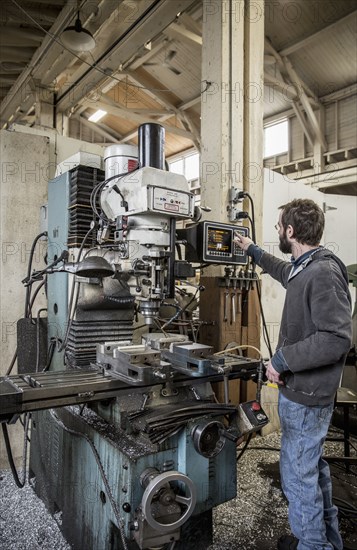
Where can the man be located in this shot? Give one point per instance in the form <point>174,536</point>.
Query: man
<point>315,336</point>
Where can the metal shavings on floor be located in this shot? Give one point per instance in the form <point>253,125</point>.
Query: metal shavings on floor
<point>252,521</point>
<point>258,516</point>
<point>25,524</point>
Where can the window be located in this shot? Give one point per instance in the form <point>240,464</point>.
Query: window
<point>276,140</point>
<point>177,166</point>
<point>188,165</point>
<point>192,167</point>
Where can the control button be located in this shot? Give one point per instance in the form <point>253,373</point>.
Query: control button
<point>255,406</point>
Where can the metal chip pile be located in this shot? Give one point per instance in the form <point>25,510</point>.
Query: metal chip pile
<point>25,523</point>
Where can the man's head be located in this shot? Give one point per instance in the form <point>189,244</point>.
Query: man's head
<point>301,221</point>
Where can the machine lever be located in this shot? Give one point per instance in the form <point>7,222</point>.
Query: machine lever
<point>229,435</point>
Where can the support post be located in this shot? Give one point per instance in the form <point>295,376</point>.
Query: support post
<point>231,128</point>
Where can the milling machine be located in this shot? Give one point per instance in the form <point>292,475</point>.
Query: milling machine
<point>129,447</point>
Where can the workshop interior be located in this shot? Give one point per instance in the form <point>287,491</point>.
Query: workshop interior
<point>137,365</point>
<point>140,415</point>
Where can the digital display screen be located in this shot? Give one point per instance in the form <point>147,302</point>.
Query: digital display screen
<point>219,240</point>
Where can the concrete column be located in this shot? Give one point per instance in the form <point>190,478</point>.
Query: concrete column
<point>254,108</point>
<point>24,166</point>
<point>222,105</point>
<point>232,104</point>
<point>232,139</point>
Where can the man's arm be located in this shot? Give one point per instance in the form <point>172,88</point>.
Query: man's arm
<point>278,269</point>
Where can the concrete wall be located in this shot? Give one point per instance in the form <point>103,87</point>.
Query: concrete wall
<point>24,161</point>
<point>29,158</point>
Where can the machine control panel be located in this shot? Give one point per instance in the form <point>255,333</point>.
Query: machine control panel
<point>170,201</point>
<point>251,417</point>
<point>213,242</point>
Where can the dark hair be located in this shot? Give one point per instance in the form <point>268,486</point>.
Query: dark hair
<point>306,218</point>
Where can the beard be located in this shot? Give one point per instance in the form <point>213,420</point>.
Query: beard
<point>284,244</point>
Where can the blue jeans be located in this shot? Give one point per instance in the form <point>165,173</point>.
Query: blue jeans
<point>305,476</point>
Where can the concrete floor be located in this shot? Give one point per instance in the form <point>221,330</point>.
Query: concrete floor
<point>252,521</point>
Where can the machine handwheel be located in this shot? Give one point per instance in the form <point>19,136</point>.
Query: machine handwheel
<point>157,483</point>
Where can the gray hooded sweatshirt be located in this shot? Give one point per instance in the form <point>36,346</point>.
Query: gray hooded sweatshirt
<point>316,328</point>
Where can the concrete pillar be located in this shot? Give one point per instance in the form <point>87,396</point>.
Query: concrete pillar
<point>24,166</point>
<point>232,104</point>
<point>254,108</point>
<point>222,104</point>
<point>232,147</point>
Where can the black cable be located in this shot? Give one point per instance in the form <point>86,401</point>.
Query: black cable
<point>98,187</point>
<point>50,353</point>
<point>38,319</point>
<point>29,267</point>
<point>29,281</point>
<point>245,446</point>
<point>35,296</point>
<point>10,457</point>
<point>253,215</point>
<point>181,310</point>
<point>11,366</point>
<point>265,327</point>
<point>347,505</point>
<point>19,483</point>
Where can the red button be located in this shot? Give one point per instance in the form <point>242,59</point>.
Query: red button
<point>255,406</point>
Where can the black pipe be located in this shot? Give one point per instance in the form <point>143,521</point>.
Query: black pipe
<point>152,146</point>
<point>171,261</point>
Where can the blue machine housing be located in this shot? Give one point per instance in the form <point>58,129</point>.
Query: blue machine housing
<point>77,454</point>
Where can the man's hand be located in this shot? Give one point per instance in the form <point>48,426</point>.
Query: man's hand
<point>272,375</point>
<point>242,242</point>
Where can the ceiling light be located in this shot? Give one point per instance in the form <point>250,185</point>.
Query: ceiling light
<point>97,115</point>
<point>77,38</point>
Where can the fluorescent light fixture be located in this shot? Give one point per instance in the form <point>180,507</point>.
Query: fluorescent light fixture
<point>97,115</point>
